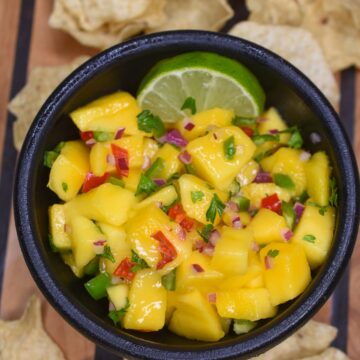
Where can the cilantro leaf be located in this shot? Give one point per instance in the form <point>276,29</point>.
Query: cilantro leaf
<point>273,253</point>
<point>189,104</point>
<point>64,186</point>
<point>140,263</point>
<point>206,231</point>
<point>333,193</point>
<point>155,169</point>
<point>229,148</point>
<point>115,181</point>
<point>296,140</point>
<point>261,139</point>
<point>284,181</point>
<point>216,206</point>
<point>51,156</point>
<point>197,196</point>
<point>309,238</point>
<point>169,280</point>
<point>247,122</point>
<point>322,209</point>
<point>242,202</point>
<point>150,123</point>
<point>146,185</point>
<point>288,213</point>
<point>117,315</point>
<point>107,254</point>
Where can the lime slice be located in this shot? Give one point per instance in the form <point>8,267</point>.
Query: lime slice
<point>212,80</point>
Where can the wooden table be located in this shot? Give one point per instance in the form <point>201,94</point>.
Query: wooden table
<point>27,41</point>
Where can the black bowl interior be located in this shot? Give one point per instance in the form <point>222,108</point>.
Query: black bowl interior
<point>123,67</point>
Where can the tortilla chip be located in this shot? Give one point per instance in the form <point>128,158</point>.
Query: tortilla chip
<point>103,23</point>
<point>310,340</point>
<point>298,47</point>
<point>195,14</point>
<point>334,23</point>
<point>25,338</point>
<point>26,104</point>
<point>329,354</point>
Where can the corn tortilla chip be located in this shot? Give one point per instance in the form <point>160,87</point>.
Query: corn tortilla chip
<point>103,23</point>
<point>329,354</point>
<point>297,46</point>
<point>334,23</point>
<point>195,14</point>
<point>26,104</point>
<point>310,340</point>
<point>25,338</point>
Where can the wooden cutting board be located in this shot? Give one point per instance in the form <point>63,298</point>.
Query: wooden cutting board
<point>26,41</point>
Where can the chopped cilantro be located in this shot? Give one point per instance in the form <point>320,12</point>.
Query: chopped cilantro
<point>64,186</point>
<point>140,263</point>
<point>117,315</point>
<point>288,213</point>
<point>303,197</point>
<point>296,140</point>
<point>189,104</point>
<point>165,208</point>
<point>169,280</point>
<point>107,254</point>
<point>206,231</point>
<point>284,181</point>
<point>273,253</point>
<point>333,193</point>
<point>242,202</point>
<point>234,188</point>
<point>261,139</point>
<point>197,196</point>
<point>229,148</point>
<point>189,169</point>
<point>51,156</point>
<point>145,186</point>
<point>102,136</point>
<point>247,122</point>
<point>150,123</point>
<point>309,238</point>
<point>155,169</point>
<point>216,206</point>
<point>322,209</point>
<point>116,181</point>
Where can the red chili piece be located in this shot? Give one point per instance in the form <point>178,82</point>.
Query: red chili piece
<point>92,181</point>
<point>177,213</point>
<point>248,131</point>
<point>124,269</point>
<point>86,135</point>
<point>272,202</point>
<point>167,249</point>
<point>121,160</point>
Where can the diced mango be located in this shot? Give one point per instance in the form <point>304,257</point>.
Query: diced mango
<point>165,196</point>
<point>273,121</point>
<point>232,251</point>
<point>109,113</point>
<point>286,271</point>
<point>57,223</point>
<point>208,156</point>
<point>190,184</point>
<point>135,147</point>
<point>188,276</point>
<point>106,203</point>
<point>147,299</point>
<point>248,173</point>
<point>247,304</point>
<point>118,295</point>
<point>317,172</point>
<point>315,233</point>
<point>83,235</point>
<point>98,159</point>
<point>288,162</point>
<point>205,121</point>
<point>267,226</point>
<point>69,170</point>
<point>169,154</point>
<point>131,182</point>
<point>194,318</point>
<point>256,192</point>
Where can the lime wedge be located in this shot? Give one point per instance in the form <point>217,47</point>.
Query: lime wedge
<point>212,80</point>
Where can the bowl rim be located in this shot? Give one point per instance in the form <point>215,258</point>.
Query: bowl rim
<point>86,322</point>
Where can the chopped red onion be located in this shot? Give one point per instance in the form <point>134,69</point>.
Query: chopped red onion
<point>99,242</point>
<point>232,205</point>
<point>214,237</point>
<point>212,298</point>
<point>262,177</point>
<point>90,142</point>
<point>255,246</point>
<point>197,268</point>
<point>147,162</point>
<point>159,182</point>
<point>236,222</point>
<point>119,133</point>
<point>188,125</point>
<point>180,233</point>
<point>315,138</point>
<point>286,234</point>
<point>268,262</point>
<point>111,306</point>
<point>299,209</point>
<point>273,131</point>
<point>158,204</point>
<point>208,250</point>
<point>99,246</point>
<point>174,137</point>
<point>185,157</point>
<point>199,245</point>
<point>123,165</point>
<point>261,119</point>
<point>110,159</point>
<point>305,156</point>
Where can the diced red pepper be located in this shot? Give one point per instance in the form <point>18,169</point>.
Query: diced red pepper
<point>124,269</point>
<point>121,160</point>
<point>248,131</point>
<point>86,135</point>
<point>92,181</point>
<point>272,202</point>
<point>177,213</point>
<point>167,249</point>
<point>187,224</point>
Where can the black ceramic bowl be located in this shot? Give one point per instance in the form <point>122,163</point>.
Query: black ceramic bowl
<point>122,67</point>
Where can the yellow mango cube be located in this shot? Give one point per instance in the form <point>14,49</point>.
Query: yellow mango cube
<point>314,234</point>
<point>109,113</point>
<point>256,192</point>
<point>286,271</point>
<point>169,154</point>
<point>118,295</point>
<point>135,147</point>
<point>57,223</point>
<point>267,226</point>
<point>68,171</point>
<point>205,121</point>
<point>196,271</point>
<point>246,304</point>
<point>147,299</point>
<point>317,172</point>
<point>98,159</point>
<point>232,251</point>
<point>208,155</point>
<point>190,185</point>
<point>194,318</point>
<point>131,182</point>
<point>248,173</point>
<point>288,162</point>
<point>273,121</point>
<point>106,203</point>
<point>165,196</point>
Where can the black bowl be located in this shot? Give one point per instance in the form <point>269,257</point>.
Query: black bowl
<point>122,67</point>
